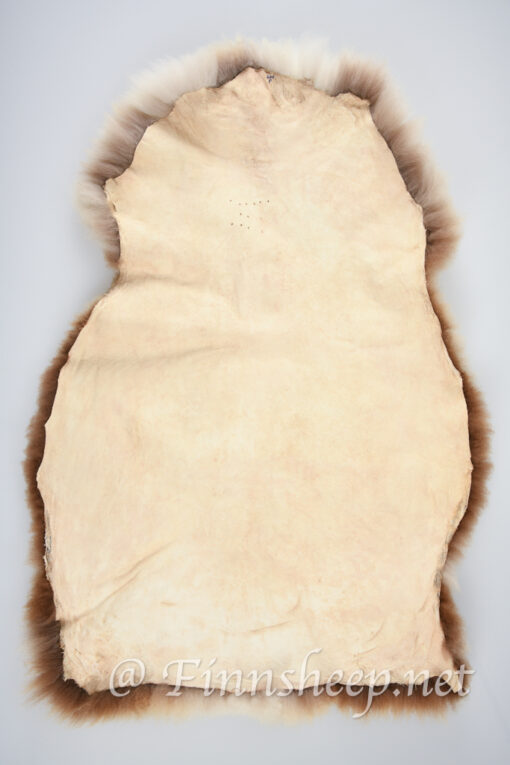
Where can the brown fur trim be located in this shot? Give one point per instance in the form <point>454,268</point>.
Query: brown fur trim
<point>113,155</point>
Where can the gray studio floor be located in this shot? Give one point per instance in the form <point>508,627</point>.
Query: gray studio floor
<point>62,66</point>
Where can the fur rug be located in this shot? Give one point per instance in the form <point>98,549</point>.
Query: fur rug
<point>282,73</point>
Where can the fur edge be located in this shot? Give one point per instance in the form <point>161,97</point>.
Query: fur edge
<point>152,98</point>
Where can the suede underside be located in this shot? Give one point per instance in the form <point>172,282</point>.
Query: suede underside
<point>259,445</point>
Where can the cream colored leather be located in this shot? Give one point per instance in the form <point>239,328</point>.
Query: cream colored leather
<point>259,444</point>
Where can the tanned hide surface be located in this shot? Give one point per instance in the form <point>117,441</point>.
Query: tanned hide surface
<point>259,445</point>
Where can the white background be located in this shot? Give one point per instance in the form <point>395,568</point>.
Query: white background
<point>62,64</point>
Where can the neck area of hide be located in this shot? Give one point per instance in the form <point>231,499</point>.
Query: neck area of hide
<point>259,445</point>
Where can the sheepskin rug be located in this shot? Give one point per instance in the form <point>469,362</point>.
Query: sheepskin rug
<point>259,448</point>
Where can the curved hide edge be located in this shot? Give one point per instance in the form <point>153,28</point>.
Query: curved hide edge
<point>153,100</point>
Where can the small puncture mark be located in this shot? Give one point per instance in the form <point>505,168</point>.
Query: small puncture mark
<point>270,77</point>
